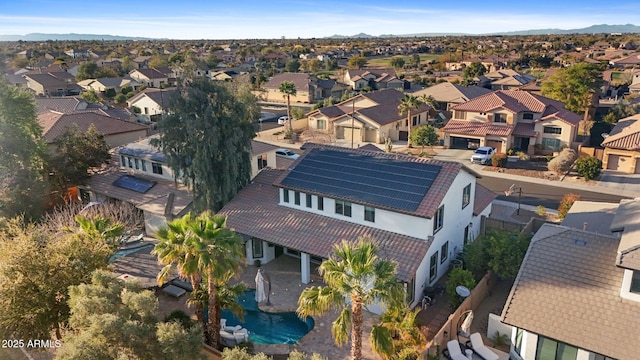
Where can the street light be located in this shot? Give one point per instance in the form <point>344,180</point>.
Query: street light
<point>510,191</point>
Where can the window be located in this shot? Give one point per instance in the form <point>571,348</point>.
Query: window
<point>461,115</point>
<point>285,195</point>
<point>444,252</point>
<point>308,200</point>
<point>262,161</point>
<point>137,164</point>
<point>433,266</point>
<point>257,247</point>
<point>549,349</point>
<point>122,161</point>
<point>527,116</point>
<point>466,196</point>
<point>130,162</point>
<point>635,282</point>
<point>601,357</point>
<point>410,289</point>
<point>320,203</point>
<point>518,344</point>
<point>322,124</point>
<point>343,208</point>
<point>369,214</point>
<point>438,219</point>
<point>296,197</point>
<point>499,118</point>
<point>414,121</point>
<point>144,165</point>
<point>551,144</point>
<point>156,168</point>
<point>552,130</point>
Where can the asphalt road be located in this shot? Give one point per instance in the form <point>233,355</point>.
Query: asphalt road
<point>539,194</point>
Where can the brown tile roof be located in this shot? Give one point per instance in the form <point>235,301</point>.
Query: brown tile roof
<point>524,129</point>
<point>429,203</point>
<point>55,124</point>
<point>60,104</point>
<point>151,73</point>
<point>633,59</point>
<point>475,128</point>
<point>155,201</point>
<point>46,80</point>
<point>258,147</point>
<point>452,93</point>
<point>625,134</point>
<point>483,197</point>
<point>570,292</point>
<point>255,212</point>
<point>159,96</point>
<point>378,73</point>
<point>300,80</point>
<point>626,220</point>
<point>370,147</point>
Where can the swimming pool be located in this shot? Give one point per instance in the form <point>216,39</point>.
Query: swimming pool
<point>269,328</point>
<point>128,251</point>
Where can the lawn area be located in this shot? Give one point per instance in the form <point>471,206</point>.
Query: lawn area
<point>384,62</point>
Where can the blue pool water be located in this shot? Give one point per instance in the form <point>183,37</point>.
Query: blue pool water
<point>269,328</point>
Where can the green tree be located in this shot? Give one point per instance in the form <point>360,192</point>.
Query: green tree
<point>474,70</point>
<point>158,61</point>
<point>116,320</point>
<point>87,70</point>
<point>397,62</point>
<point>90,96</point>
<point>424,136</point>
<point>297,113</point>
<point>292,66</point>
<point>23,153</point>
<point>398,336</point>
<point>314,65</point>
<point>408,103</point>
<point>288,89</point>
<point>458,277</point>
<point>201,246</point>
<point>355,272</point>
<point>206,137</point>
<point>589,167</point>
<point>574,86</point>
<point>76,153</point>
<point>127,65</point>
<point>110,93</point>
<point>356,62</point>
<point>506,251</point>
<point>120,98</point>
<point>415,59</point>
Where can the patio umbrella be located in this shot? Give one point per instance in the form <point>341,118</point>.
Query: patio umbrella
<point>465,328</point>
<point>260,294</point>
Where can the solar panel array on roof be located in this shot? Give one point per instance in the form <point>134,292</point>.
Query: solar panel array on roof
<point>369,179</point>
<point>134,183</point>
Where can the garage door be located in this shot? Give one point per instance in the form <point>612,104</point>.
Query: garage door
<point>357,137</point>
<point>456,142</point>
<point>495,144</point>
<point>620,163</point>
<point>403,135</point>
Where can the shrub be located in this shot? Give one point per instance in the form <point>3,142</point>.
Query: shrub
<point>541,210</point>
<point>561,164</point>
<point>511,151</point>
<point>457,277</point>
<point>476,258</point>
<point>110,92</point>
<point>180,317</point>
<point>588,167</point>
<point>522,155</point>
<point>120,98</point>
<point>566,203</point>
<point>499,160</point>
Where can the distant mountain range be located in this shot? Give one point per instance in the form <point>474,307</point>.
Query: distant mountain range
<point>593,29</point>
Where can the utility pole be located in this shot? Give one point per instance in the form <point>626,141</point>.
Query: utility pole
<point>510,191</point>
<point>353,111</point>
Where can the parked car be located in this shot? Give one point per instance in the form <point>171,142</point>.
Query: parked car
<point>483,155</point>
<point>286,153</point>
<point>472,145</point>
<point>283,119</point>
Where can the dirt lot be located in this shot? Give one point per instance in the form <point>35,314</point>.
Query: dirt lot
<point>537,169</point>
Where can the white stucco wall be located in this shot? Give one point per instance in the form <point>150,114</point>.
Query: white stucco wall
<point>152,107</point>
<point>566,137</point>
<point>271,162</point>
<point>167,173</point>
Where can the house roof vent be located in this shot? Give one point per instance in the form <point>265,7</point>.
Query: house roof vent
<point>580,242</point>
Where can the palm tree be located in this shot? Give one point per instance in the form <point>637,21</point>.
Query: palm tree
<point>288,89</point>
<point>408,103</point>
<point>357,273</point>
<point>228,295</point>
<point>398,335</point>
<point>429,100</point>
<point>101,228</point>
<point>202,246</point>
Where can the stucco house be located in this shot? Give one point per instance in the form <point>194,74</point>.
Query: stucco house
<point>508,119</point>
<point>52,84</point>
<point>309,88</point>
<point>508,79</point>
<point>577,294</point>
<point>153,78</point>
<point>421,212</point>
<point>381,78</point>
<point>151,102</point>
<point>368,117</point>
<point>103,84</point>
<point>622,146</point>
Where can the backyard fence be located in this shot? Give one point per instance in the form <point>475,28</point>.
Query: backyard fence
<point>506,225</point>
<point>590,151</point>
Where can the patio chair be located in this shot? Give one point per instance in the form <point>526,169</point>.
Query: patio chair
<point>227,338</point>
<point>477,345</point>
<point>241,336</point>
<point>182,284</point>
<point>453,351</point>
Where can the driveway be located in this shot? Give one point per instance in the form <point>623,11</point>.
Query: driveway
<point>620,183</point>
<point>459,155</point>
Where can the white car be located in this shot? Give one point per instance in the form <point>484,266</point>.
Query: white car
<point>286,153</point>
<point>283,119</point>
<point>483,155</point>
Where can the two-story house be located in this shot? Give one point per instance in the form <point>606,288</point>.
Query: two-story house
<point>153,78</point>
<point>421,212</point>
<point>507,79</point>
<point>52,84</point>
<point>577,294</point>
<point>622,146</point>
<point>103,84</point>
<point>382,78</point>
<point>508,119</point>
<point>368,117</point>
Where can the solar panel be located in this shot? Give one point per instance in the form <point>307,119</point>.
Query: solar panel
<point>383,181</point>
<point>134,183</point>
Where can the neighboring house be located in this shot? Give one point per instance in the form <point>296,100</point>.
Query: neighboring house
<point>508,79</point>
<point>631,61</point>
<point>152,78</point>
<point>227,75</point>
<point>103,84</point>
<point>635,82</point>
<point>508,119</point>
<point>139,176</point>
<point>309,88</point>
<point>577,294</point>
<point>421,212</point>
<point>622,146</point>
<point>448,94</point>
<point>375,79</point>
<point>116,132</point>
<point>151,102</point>
<point>71,104</point>
<point>263,155</point>
<point>52,84</point>
<point>368,117</point>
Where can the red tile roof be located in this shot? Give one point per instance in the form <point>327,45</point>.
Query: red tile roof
<point>625,135</point>
<point>524,129</point>
<point>475,128</point>
<point>55,124</point>
<point>483,197</point>
<point>254,212</point>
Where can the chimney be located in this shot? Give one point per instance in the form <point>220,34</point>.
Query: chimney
<point>584,226</point>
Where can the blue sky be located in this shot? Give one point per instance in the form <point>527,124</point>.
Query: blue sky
<point>223,19</point>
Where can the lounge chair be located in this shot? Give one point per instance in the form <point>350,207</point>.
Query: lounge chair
<point>174,291</point>
<point>241,335</point>
<point>453,351</point>
<point>477,345</point>
<point>182,284</point>
<point>228,339</point>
